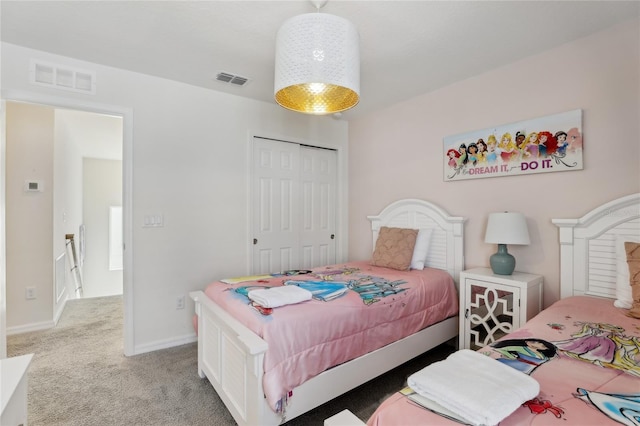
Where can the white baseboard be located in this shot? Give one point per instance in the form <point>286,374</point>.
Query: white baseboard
<point>58,313</point>
<point>165,344</point>
<point>27,328</point>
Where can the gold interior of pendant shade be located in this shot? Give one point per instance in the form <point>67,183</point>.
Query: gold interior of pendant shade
<point>305,98</point>
<point>317,64</point>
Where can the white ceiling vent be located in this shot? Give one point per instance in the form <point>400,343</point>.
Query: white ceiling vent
<point>62,77</point>
<point>238,80</point>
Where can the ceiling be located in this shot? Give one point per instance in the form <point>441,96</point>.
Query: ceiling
<point>407,48</point>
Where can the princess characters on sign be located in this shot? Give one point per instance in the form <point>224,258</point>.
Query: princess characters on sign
<point>575,139</point>
<point>530,146</point>
<point>532,151</point>
<point>462,158</point>
<point>453,158</point>
<point>508,148</point>
<point>472,152</point>
<point>547,145</point>
<point>561,138</point>
<point>492,154</point>
<point>482,151</point>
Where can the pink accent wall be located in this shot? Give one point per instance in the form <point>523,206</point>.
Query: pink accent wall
<point>397,152</point>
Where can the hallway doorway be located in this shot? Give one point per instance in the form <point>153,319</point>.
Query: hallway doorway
<point>72,162</point>
<point>43,311</point>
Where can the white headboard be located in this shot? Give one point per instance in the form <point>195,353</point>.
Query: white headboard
<point>446,250</point>
<point>587,247</point>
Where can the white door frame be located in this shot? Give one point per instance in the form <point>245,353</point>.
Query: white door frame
<point>127,198</point>
<point>3,234</point>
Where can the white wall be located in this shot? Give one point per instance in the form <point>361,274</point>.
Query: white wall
<point>94,135</point>
<point>102,188</point>
<point>29,215</point>
<point>190,163</point>
<point>397,153</point>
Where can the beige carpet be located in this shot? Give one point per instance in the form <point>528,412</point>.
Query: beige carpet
<point>79,376</point>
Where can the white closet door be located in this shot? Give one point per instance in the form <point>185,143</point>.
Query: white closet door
<point>294,206</point>
<point>318,207</point>
<point>275,205</point>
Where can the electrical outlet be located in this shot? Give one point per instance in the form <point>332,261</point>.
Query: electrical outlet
<point>180,302</point>
<point>30,293</point>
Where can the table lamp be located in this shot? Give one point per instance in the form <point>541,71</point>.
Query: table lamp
<point>502,229</point>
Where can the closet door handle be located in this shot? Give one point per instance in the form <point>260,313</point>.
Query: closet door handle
<point>333,236</point>
<point>255,241</point>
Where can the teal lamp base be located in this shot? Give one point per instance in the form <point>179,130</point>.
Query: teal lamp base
<point>502,263</point>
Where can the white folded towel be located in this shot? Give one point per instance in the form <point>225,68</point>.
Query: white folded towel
<point>279,296</point>
<point>475,386</point>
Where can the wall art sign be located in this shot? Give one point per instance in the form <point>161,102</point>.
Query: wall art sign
<point>541,145</point>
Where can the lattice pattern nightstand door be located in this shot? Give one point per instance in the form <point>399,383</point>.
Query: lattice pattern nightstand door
<point>492,306</point>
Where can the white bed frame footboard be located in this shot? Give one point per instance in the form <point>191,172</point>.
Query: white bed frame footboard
<point>231,356</point>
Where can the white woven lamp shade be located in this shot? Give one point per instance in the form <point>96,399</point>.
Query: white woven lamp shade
<point>317,64</point>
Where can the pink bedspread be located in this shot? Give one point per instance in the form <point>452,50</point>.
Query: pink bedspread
<point>591,376</point>
<point>381,306</point>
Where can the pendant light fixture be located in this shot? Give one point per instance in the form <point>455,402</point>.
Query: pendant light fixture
<point>317,63</point>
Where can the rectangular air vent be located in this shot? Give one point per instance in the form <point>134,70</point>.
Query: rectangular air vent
<point>62,77</point>
<point>225,77</point>
<point>240,81</point>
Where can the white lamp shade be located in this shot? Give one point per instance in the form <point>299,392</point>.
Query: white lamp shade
<point>317,67</point>
<point>507,228</point>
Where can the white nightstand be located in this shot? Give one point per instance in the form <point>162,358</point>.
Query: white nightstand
<point>13,390</point>
<point>493,305</point>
